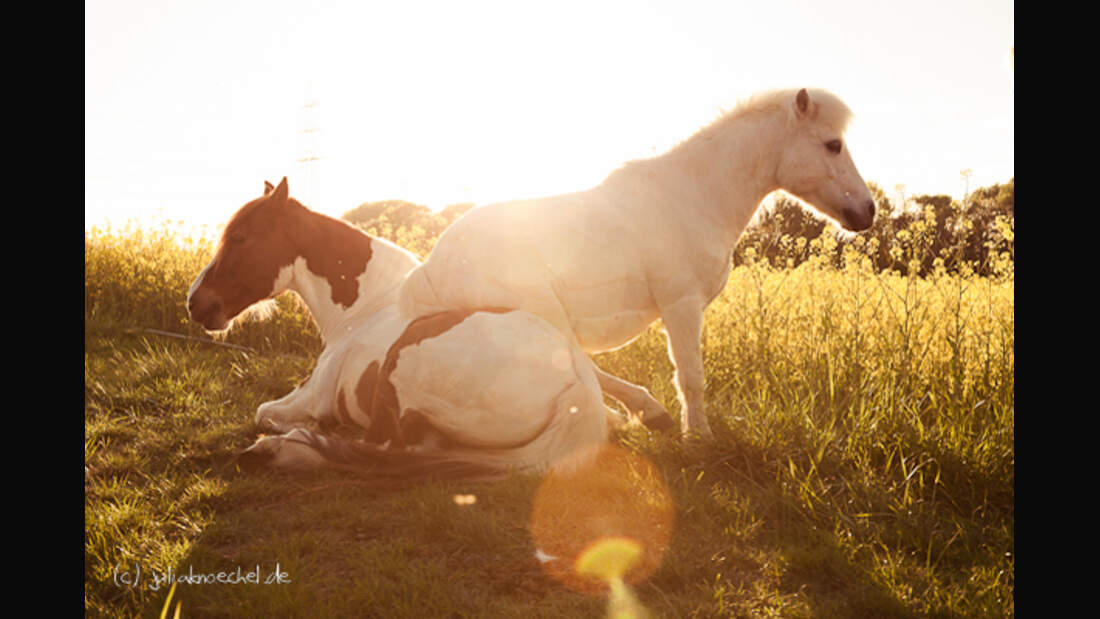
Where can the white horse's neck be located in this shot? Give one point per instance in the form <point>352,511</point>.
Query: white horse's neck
<point>724,172</point>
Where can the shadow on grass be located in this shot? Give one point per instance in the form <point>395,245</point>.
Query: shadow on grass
<point>327,545</point>
<point>774,564</point>
<point>749,543</point>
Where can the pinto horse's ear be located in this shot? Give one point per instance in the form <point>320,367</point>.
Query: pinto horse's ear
<point>278,194</point>
<point>802,102</point>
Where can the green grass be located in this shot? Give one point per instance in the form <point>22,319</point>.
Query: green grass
<point>863,464</point>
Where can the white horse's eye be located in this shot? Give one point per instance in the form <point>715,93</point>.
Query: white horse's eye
<point>834,146</point>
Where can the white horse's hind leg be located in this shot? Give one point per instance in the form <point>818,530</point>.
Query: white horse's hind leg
<point>683,322</point>
<point>637,400</point>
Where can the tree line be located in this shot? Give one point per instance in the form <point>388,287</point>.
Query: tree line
<point>921,234</point>
<point>916,236</point>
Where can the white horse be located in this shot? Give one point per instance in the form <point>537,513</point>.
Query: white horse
<point>654,240</point>
<point>454,393</point>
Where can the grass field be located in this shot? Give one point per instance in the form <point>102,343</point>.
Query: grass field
<point>863,464</point>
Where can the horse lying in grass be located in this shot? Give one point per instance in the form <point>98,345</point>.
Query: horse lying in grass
<point>459,393</point>
<point>654,240</point>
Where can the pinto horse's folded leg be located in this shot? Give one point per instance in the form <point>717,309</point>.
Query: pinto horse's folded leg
<point>308,406</point>
<point>292,451</point>
<point>286,414</point>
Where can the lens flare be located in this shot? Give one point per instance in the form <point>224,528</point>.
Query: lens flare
<point>609,559</point>
<point>609,522</point>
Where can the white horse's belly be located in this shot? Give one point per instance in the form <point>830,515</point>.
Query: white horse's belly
<point>607,314</point>
<point>584,279</point>
<point>493,380</point>
<point>598,334</point>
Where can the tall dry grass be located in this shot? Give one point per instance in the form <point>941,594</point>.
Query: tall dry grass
<point>137,278</point>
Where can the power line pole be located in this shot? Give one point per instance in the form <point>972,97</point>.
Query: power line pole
<point>309,151</point>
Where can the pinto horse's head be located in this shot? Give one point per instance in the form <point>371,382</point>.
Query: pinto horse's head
<point>248,265</point>
<point>815,164</point>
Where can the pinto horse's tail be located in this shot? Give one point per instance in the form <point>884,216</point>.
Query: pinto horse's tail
<point>570,441</point>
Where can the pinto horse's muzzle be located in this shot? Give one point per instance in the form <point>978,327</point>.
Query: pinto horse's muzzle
<point>205,308</point>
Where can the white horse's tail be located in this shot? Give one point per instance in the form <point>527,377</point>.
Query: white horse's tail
<point>571,440</point>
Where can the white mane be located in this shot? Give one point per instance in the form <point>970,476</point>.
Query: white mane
<point>825,107</point>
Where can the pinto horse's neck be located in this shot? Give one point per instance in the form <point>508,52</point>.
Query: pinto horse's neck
<point>342,274</point>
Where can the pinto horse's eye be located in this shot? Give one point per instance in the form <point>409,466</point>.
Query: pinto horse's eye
<point>236,239</point>
<point>833,146</point>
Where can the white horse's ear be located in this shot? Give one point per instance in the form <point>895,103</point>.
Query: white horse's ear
<point>802,102</point>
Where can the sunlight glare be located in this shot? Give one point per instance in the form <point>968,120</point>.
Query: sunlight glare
<point>489,101</point>
<point>620,496</point>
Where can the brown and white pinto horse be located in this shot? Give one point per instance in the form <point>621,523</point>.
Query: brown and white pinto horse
<point>456,393</point>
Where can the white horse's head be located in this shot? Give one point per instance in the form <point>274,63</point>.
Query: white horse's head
<point>815,164</point>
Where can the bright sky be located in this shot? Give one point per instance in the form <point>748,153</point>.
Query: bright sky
<point>189,105</point>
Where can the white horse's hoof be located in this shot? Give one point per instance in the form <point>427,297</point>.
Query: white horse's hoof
<point>659,423</point>
<point>700,430</point>
<point>653,415</point>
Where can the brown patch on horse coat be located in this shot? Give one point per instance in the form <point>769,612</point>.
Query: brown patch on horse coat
<point>414,426</point>
<point>342,409</point>
<point>364,396</point>
<point>387,420</point>
<point>342,273</point>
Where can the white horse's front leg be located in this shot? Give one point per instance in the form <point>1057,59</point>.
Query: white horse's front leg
<point>683,322</point>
